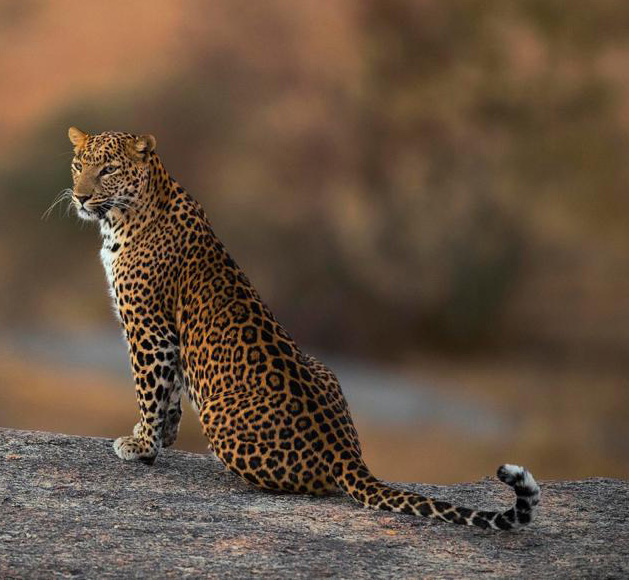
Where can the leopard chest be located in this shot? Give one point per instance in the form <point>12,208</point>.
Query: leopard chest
<point>107,257</point>
<point>108,254</point>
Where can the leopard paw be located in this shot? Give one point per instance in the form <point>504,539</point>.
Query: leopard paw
<point>131,448</point>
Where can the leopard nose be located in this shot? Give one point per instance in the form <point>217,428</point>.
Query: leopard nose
<point>82,197</point>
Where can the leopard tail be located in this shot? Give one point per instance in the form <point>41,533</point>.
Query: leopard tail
<point>354,477</point>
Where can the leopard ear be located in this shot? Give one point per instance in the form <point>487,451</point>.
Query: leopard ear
<point>77,138</point>
<point>144,145</point>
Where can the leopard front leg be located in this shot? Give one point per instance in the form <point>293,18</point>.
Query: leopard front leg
<point>171,424</point>
<point>172,419</point>
<point>158,392</point>
<point>173,414</point>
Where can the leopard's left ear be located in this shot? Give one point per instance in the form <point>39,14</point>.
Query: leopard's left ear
<point>143,145</point>
<point>77,138</point>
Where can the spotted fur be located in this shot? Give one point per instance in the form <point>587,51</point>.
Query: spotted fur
<point>272,414</point>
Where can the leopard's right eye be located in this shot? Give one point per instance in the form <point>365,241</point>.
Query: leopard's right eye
<point>77,166</point>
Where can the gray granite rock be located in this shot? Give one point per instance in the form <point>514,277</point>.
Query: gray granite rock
<point>70,508</point>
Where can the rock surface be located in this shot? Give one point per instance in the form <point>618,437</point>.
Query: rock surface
<point>70,508</point>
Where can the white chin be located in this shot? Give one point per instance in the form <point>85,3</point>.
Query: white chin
<point>88,216</point>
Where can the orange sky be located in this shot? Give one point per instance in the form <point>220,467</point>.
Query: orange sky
<point>52,50</point>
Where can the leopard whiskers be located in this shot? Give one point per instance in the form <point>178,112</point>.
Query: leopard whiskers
<point>70,205</point>
<point>65,194</point>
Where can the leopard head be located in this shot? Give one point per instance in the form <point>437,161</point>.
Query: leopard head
<point>110,172</point>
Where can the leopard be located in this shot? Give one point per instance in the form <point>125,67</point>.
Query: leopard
<point>194,324</point>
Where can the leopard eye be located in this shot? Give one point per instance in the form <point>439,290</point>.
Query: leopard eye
<point>108,169</point>
<point>77,166</point>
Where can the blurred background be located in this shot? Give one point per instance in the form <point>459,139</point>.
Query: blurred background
<point>431,196</point>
